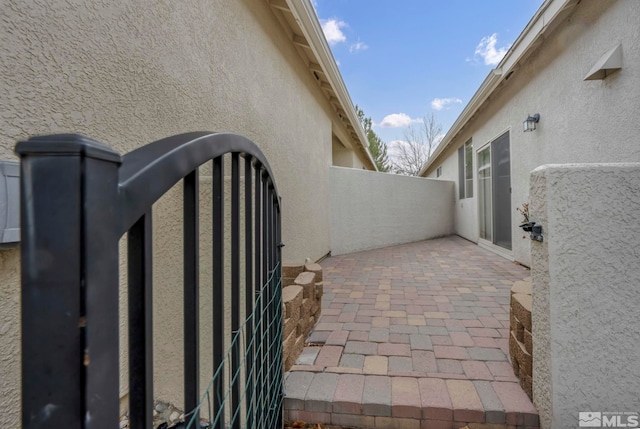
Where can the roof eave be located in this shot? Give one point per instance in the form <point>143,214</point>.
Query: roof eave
<point>546,19</point>
<point>311,31</point>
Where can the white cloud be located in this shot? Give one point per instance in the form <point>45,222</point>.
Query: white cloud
<point>441,103</point>
<point>359,46</point>
<point>394,147</point>
<point>397,120</point>
<point>394,150</point>
<point>487,50</point>
<point>332,30</point>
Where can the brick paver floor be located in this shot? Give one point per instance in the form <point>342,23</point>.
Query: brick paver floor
<point>412,336</point>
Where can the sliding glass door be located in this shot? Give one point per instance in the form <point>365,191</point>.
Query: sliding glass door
<point>494,188</point>
<point>501,167</point>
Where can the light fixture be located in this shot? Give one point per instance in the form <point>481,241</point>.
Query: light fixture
<point>531,121</point>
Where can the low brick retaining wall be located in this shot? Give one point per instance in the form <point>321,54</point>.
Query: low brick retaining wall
<point>301,298</point>
<point>520,341</point>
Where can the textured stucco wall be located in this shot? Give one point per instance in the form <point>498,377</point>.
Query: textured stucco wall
<point>130,72</point>
<point>341,156</point>
<point>464,210</point>
<point>585,290</point>
<point>580,121</point>
<point>371,210</point>
<point>10,334</point>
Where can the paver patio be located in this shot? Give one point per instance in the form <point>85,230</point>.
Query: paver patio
<point>412,336</point>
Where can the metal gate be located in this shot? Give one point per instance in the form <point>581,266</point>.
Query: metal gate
<point>78,198</point>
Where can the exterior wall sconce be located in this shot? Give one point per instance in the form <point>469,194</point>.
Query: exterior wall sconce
<point>530,123</point>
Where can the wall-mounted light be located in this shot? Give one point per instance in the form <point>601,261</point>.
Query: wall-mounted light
<point>530,123</point>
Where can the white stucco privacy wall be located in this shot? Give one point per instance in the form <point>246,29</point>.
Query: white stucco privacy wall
<point>371,210</point>
<point>586,335</point>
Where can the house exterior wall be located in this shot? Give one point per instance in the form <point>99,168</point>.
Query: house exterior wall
<point>585,277</point>
<point>371,210</point>
<point>343,157</point>
<point>580,121</point>
<point>464,210</point>
<point>130,72</point>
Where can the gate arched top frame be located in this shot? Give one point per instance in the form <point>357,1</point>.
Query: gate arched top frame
<point>148,172</point>
<point>171,159</point>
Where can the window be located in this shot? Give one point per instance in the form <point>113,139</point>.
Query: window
<point>465,170</point>
<point>439,171</point>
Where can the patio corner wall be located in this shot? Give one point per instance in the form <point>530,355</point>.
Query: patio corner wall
<point>586,280</point>
<point>371,210</point>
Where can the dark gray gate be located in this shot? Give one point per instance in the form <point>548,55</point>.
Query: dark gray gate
<point>78,198</point>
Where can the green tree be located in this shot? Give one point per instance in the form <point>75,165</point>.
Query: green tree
<point>377,147</point>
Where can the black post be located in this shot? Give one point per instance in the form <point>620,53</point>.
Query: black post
<point>69,257</point>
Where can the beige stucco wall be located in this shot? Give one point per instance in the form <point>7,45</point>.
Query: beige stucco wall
<point>130,72</point>
<point>580,121</point>
<point>10,335</point>
<point>462,210</point>
<point>586,337</point>
<point>341,156</point>
<point>371,210</point>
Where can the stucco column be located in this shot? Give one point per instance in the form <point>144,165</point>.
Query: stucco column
<point>586,293</point>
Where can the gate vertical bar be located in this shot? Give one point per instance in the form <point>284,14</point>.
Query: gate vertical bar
<point>259,278</point>
<point>258,226</point>
<point>235,290</point>
<point>269,300</point>
<point>272,345</point>
<point>70,362</point>
<point>249,289</point>
<point>139,244</point>
<point>272,309</point>
<point>218,287</point>
<point>266,270</point>
<point>191,270</point>
<point>280,338</point>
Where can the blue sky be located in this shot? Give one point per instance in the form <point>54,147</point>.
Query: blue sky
<point>402,60</point>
